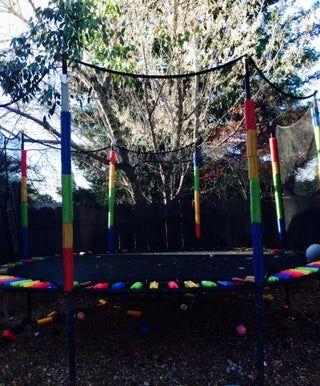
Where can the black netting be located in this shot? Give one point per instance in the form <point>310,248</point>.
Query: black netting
<point>155,125</point>
<point>10,169</point>
<point>298,156</point>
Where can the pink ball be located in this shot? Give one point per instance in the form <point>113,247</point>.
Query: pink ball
<point>241,330</point>
<point>81,315</point>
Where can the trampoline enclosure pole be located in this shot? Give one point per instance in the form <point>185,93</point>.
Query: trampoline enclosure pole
<point>196,161</point>
<point>29,307</point>
<point>67,209</point>
<point>67,217</point>
<point>316,127</point>
<point>255,211</point>
<point>277,186</point>
<point>196,157</point>
<point>24,202</point>
<point>70,337</point>
<point>254,183</point>
<point>112,170</point>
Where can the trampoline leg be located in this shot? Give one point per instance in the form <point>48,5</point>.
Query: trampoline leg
<point>70,338</point>
<point>29,307</point>
<point>260,337</point>
<point>286,290</point>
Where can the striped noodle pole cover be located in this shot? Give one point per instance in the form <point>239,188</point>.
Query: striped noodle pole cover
<point>24,202</point>
<point>277,186</point>
<point>67,206</point>
<point>196,174</point>
<point>112,171</point>
<point>254,182</point>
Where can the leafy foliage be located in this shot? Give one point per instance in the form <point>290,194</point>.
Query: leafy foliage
<point>165,38</point>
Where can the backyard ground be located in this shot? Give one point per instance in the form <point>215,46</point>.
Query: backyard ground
<point>168,345</point>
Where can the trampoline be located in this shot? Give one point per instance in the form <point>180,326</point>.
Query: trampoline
<point>156,272</point>
<point>189,270</point>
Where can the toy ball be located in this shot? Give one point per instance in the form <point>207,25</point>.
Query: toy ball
<point>81,315</point>
<point>183,307</point>
<point>144,329</point>
<point>241,330</point>
<point>268,298</point>
<point>313,252</point>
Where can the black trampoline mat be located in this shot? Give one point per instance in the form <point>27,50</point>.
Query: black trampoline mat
<point>130,267</point>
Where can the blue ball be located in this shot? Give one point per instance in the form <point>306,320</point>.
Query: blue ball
<point>313,252</point>
<point>144,329</point>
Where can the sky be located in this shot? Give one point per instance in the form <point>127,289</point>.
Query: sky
<point>49,161</point>
<point>45,173</point>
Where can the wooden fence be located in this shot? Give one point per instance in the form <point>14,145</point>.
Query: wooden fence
<point>157,228</point>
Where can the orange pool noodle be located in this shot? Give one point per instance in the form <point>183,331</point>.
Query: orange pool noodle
<point>134,313</point>
<point>46,320</point>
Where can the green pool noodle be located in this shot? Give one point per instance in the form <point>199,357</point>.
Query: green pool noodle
<point>137,285</point>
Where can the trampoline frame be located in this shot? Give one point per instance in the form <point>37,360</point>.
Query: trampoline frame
<point>258,283</point>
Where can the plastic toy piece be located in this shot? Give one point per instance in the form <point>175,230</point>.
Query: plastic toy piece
<point>268,298</point>
<point>184,307</point>
<point>283,276</point>
<point>81,315</point>
<point>4,278</point>
<point>84,284</point>
<point>314,264</point>
<point>154,285</point>
<point>30,284</point>
<point>43,321</point>
<point>225,283</point>
<point>208,284</point>
<point>239,280</point>
<point>241,330</point>
<point>136,286</point>
<point>173,285</point>
<point>310,269</point>
<point>191,284</point>
<point>101,286</point>
<point>134,313</point>
<point>102,303</point>
<point>118,285</point>
<point>277,251</point>
<point>7,282</point>
<point>52,314</point>
<point>144,329</point>
<point>19,283</point>
<point>272,279</point>
<point>302,271</point>
<point>40,258</point>
<point>42,284</point>
<point>9,335</point>
<point>292,273</point>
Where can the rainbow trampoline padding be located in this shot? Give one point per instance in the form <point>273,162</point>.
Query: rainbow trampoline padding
<point>201,271</point>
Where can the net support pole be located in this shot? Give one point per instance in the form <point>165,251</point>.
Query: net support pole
<point>67,207</point>
<point>196,175</point>
<point>255,212</point>
<point>24,202</point>
<point>196,155</point>
<point>277,185</point>
<point>112,172</point>
<point>316,127</point>
<point>67,217</point>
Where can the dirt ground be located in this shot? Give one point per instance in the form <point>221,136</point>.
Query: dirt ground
<point>177,340</point>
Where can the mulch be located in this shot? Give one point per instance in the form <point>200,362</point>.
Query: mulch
<point>177,340</point>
